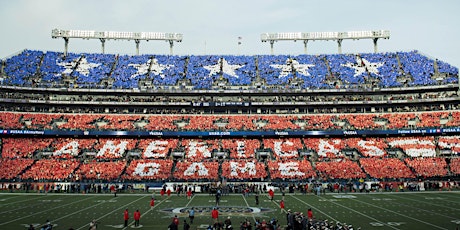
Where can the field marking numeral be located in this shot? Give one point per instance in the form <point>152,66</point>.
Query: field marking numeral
<point>344,196</point>
<point>378,224</point>
<point>331,200</point>
<point>382,199</point>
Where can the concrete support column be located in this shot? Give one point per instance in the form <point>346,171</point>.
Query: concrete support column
<point>171,44</point>
<point>272,42</point>
<point>375,45</point>
<point>137,41</point>
<point>339,43</point>
<point>66,45</point>
<point>305,46</point>
<point>102,45</point>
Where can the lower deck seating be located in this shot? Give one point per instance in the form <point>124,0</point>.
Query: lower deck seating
<point>197,159</point>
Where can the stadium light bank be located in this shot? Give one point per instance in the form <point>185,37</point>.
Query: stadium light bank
<point>334,36</point>
<point>114,35</point>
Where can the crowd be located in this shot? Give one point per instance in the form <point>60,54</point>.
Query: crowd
<point>106,159</point>
<point>53,69</point>
<point>161,170</point>
<point>68,121</point>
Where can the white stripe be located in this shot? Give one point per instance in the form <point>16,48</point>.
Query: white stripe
<point>418,220</point>
<point>253,217</point>
<point>370,217</point>
<point>330,217</point>
<point>44,211</point>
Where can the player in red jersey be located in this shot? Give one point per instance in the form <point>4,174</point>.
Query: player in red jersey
<point>152,203</point>
<point>281,206</point>
<point>137,218</point>
<point>126,217</point>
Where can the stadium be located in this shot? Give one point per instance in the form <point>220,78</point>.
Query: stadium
<point>362,140</point>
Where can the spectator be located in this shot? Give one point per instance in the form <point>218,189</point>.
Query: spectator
<point>47,226</point>
<point>93,225</point>
<point>173,226</point>
<point>228,223</point>
<point>186,225</point>
<point>176,220</point>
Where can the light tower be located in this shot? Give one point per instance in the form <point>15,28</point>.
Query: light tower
<point>103,36</point>
<point>325,36</point>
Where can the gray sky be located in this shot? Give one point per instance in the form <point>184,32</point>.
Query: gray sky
<point>213,26</point>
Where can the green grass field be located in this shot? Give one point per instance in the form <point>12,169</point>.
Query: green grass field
<point>420,210</point>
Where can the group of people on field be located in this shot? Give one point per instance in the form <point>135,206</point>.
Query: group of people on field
<point>136,217</point>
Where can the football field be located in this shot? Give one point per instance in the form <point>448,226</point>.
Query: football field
<point>402,210</point>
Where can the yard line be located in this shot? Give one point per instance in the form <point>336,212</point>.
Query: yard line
<point>430,203</point>
<point>330,217</point>
<point>77,212</point>
<point>244,198</point>
<point>109,212</point>
<point>446,194</point>
<point>421,221</point>
<point>20,201</point>
<point>43,211</point>
<point>190,200</point>
<point>23,207</point>
<point>360,213</point>
<point>2,195</point>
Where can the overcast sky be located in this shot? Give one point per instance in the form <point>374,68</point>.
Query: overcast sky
<point>213,26</point>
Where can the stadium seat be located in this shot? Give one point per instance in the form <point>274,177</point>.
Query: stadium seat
<point>193,171</point>
<point>342,168</point>
<point>385,168</point>
<point>11,168</point>
<point>51,169</point>
<point>243,169</point>
<point>106,171</point>
<point>428,167</point>
<point>148,169</point>
<point>93,70</point>
<point>290,169</point>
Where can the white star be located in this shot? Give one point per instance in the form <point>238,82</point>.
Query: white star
<point>301,68</point>
<point>362,65</point>
<point>154,67</point>
<point>226,68</point>
<point>141,68</point>
<point>83,67</point>
<point>213,69</point>
<point>158,68</point>
<point>68,66</point>
<point>293,65</point>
